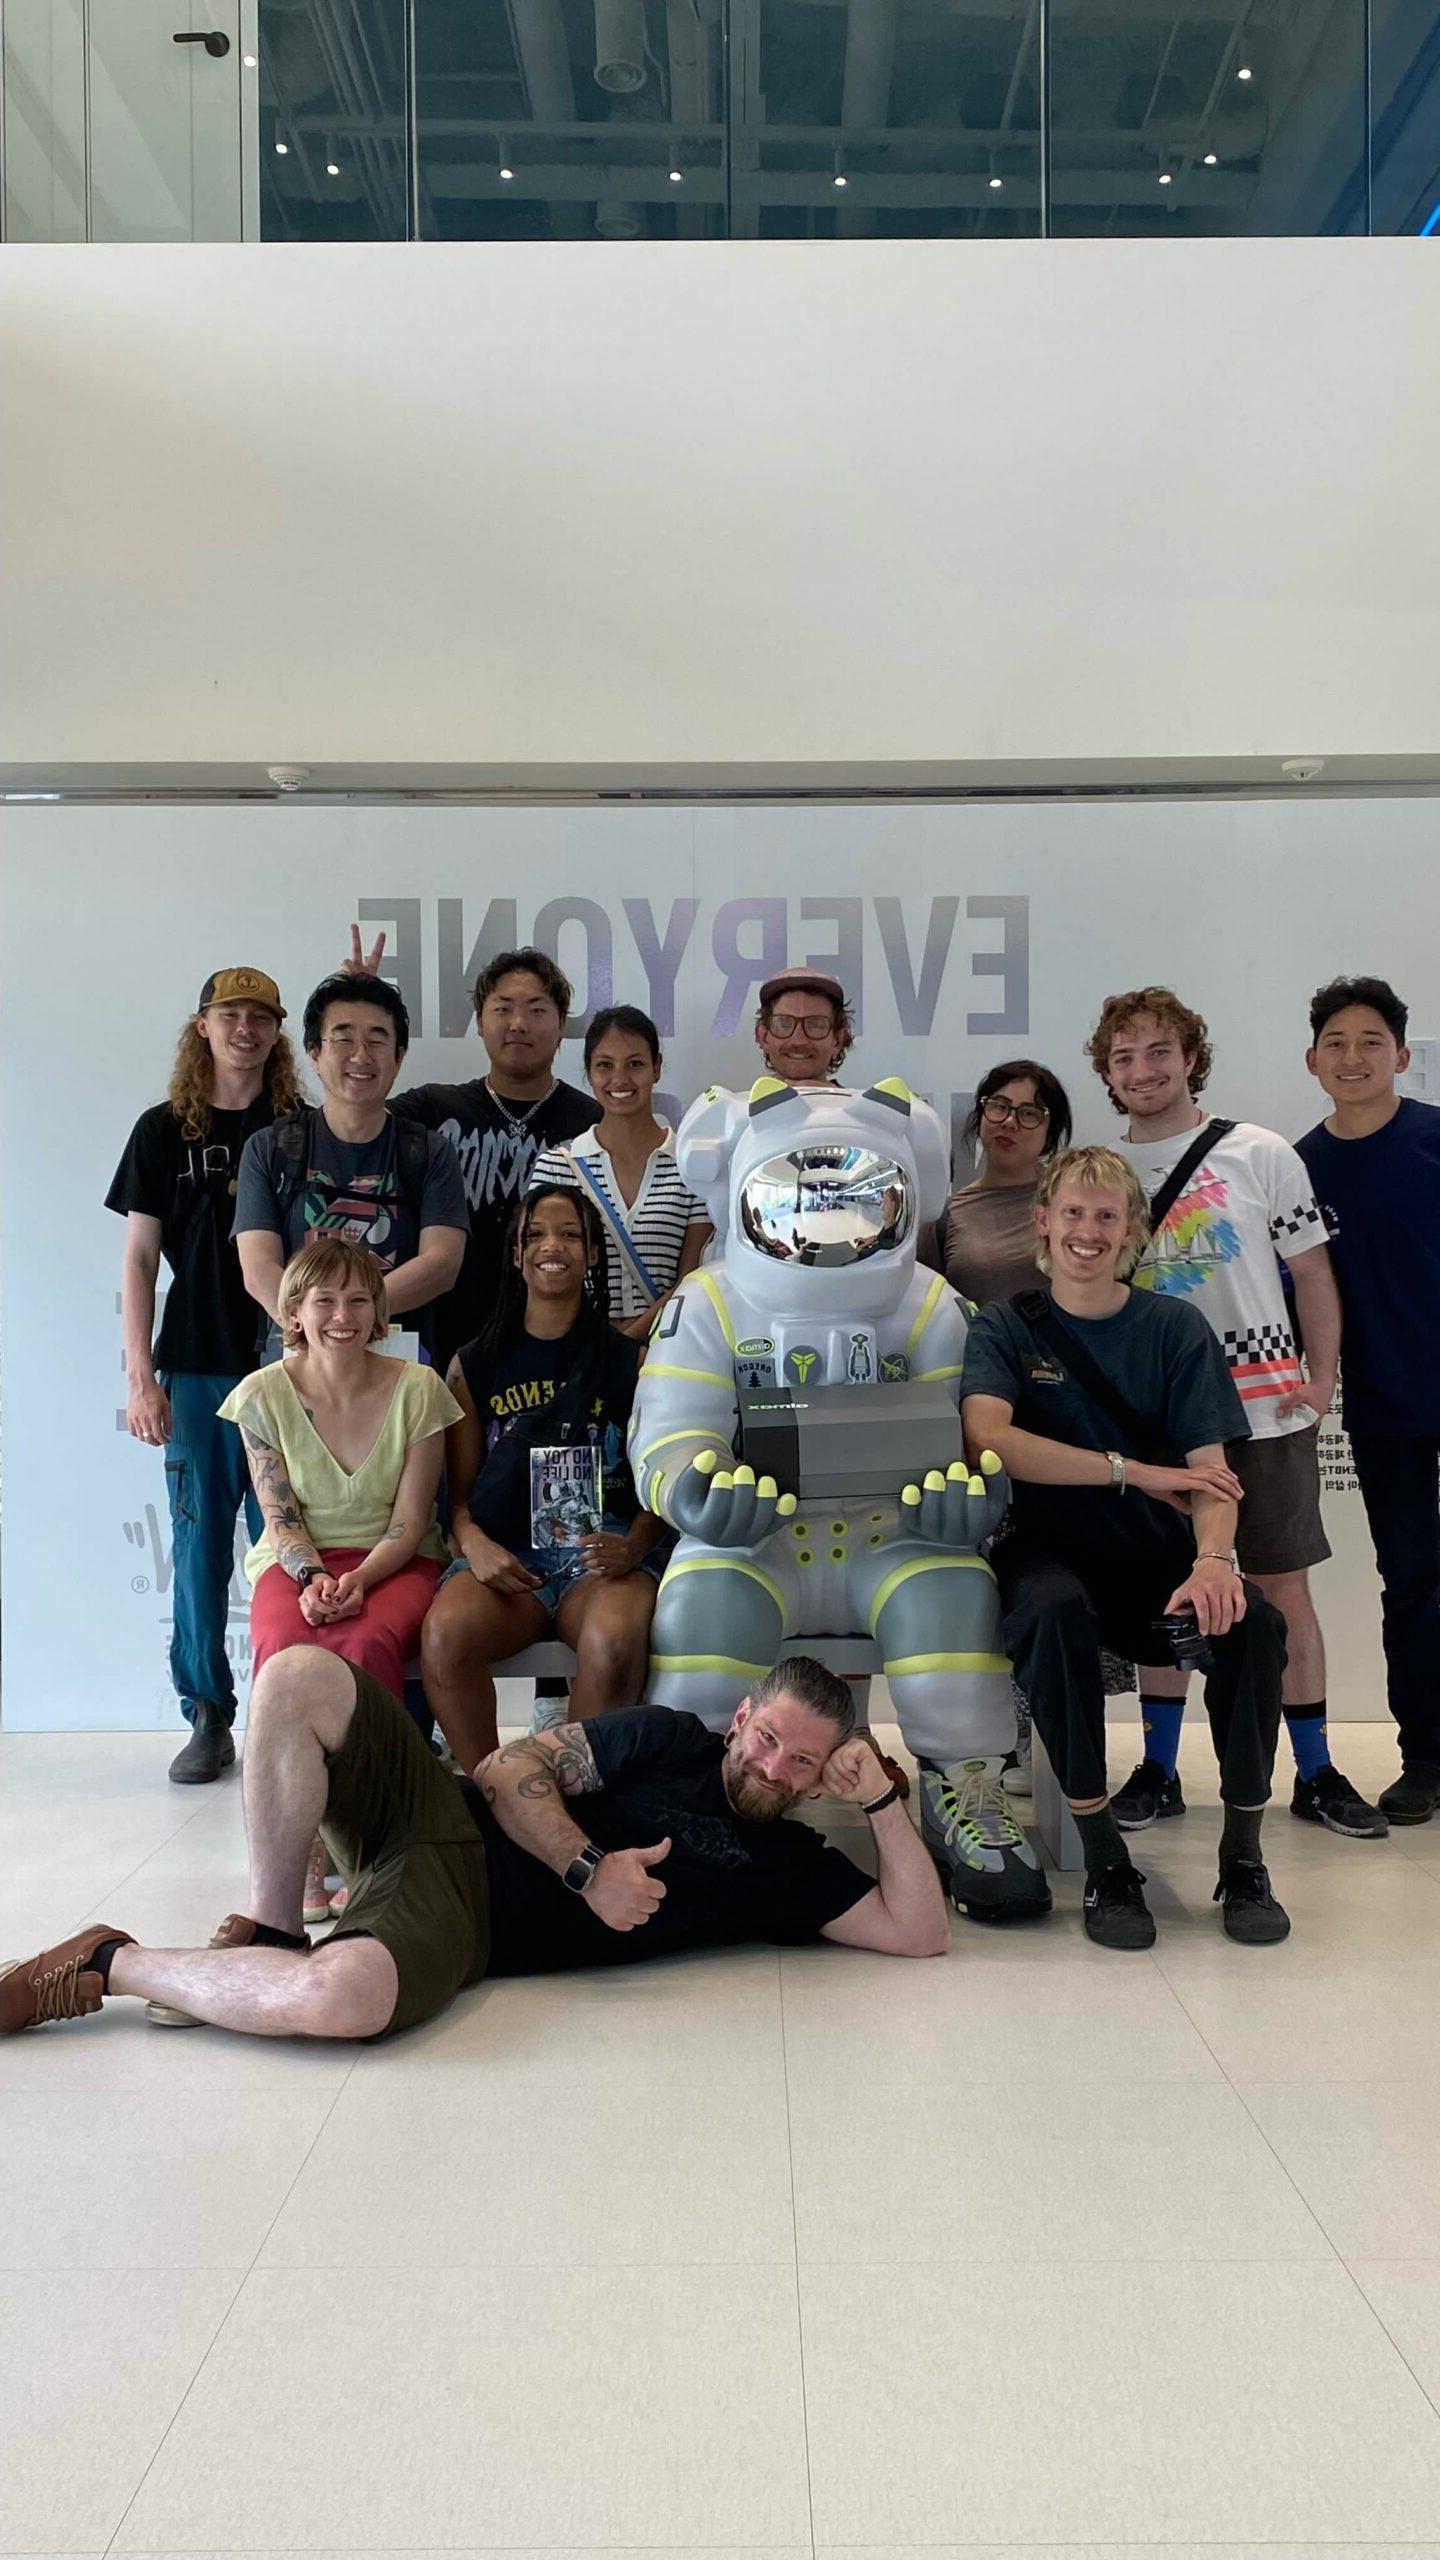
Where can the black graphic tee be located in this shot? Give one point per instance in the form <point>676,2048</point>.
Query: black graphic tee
<point>349,1191</point>
<point>211,1324</point>
<point>523,1380</point>
<point>725,1879</point>
<point>496,1161</point>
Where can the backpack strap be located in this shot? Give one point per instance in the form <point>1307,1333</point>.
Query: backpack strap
<point>1174,1183</point>
<point>295,1136</point>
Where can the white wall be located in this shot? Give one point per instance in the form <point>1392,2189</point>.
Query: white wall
<point>111,919</point>
<point>904,512</point>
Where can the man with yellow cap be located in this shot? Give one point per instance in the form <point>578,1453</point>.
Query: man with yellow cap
<point>234,1072</point>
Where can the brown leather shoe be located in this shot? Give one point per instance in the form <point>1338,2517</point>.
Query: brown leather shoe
<point>56,1983</point>
<point>237,1929</point>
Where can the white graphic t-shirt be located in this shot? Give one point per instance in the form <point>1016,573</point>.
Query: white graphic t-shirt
<point>1247,1200</point>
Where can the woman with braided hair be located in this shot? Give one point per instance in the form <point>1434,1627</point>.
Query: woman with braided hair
<point>548,1375</point>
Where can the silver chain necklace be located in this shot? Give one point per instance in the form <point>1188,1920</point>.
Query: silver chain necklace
<point>518,1122</point>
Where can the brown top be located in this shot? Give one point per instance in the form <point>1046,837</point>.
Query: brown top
<point>987,1241</point>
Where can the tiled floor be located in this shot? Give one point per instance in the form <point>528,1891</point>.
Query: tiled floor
<point>1035,2252</point>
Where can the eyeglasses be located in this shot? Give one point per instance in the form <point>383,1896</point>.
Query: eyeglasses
<point>998,1108</point>
<point>814,1025</point>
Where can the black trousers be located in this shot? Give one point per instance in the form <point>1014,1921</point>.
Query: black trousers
<point>1400,1487</point>
<point>1059,1612</point>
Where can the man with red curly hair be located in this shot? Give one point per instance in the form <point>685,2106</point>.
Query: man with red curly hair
<point>1229,1202</point>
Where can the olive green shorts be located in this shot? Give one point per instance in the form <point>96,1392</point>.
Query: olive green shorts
<point>402,1837</point>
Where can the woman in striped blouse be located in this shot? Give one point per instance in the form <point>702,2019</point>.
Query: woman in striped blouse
<point>655,1229</point>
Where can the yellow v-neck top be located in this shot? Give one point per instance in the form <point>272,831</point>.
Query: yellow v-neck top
<point>341,1510</point>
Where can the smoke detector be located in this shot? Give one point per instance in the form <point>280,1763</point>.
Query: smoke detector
<point>1302,768</point>
<point>288,777</point>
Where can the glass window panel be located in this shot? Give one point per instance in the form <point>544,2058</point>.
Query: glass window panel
<point>332,120</point>
<point>1200,120</point>
<point>605,113</point>
<point>885,119</point>
<point>1405,109</point>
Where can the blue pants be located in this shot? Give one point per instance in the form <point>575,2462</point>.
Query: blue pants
<point>207,1479</point>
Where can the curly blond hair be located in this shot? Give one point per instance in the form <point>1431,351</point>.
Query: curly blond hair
<point>334,1261</point>
<point>1190,1029</point>
<point>192,1081</point>
<point>1098,1169</point>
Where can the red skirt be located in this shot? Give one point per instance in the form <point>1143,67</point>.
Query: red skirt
<point>383,1638</point>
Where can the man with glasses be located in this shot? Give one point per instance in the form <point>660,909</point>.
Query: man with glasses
<point>351,1168</point>
<point>804,1027</point>
<point>497,1123</point>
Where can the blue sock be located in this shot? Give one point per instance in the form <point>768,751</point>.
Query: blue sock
<point>1307,1738</point>
<point>1160,1722</point>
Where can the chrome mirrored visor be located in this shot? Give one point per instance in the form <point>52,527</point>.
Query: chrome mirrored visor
<point>827,1206</point>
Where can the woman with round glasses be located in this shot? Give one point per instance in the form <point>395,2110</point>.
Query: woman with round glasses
<point>1021,1115</point>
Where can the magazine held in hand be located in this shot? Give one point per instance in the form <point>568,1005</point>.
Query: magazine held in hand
<point>564,1496</point>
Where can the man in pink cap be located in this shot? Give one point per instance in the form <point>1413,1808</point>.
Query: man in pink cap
<point>804,1026</point>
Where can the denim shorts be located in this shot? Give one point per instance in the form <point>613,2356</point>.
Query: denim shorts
<point>561,1569</point>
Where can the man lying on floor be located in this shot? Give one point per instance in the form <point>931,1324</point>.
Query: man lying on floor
<point>681,1845</point>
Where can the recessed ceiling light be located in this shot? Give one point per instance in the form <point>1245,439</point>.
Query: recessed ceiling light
<point>249,61</point>
<point>282,148</point>
<point>1164,178</point>
<point>506,172</point>
<point>677,177</point>
<point>840,179</point>
<point>1244,72</point>
<point>1211,158</point>
<point>332,168</point>
<point>997,182</point>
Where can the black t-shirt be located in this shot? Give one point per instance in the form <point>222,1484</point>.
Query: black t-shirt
<point>496,1161</point>
<point>725,1879</point>
<point>522,1381</point>
<point>211,1324</point>
<point>1161,1357</point>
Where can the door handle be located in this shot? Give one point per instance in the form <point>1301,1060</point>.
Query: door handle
<point>216,42</point>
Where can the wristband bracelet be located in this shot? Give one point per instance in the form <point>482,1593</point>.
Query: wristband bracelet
<point>891,1796</point>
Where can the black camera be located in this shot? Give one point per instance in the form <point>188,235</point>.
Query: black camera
<point>1181,1641</point>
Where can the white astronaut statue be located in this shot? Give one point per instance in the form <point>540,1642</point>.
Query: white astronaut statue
<point>797,1421</point>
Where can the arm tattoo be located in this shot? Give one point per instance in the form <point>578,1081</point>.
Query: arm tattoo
<point>559,1760</point>
<point>573,1760</point>
<point>275,1494</point>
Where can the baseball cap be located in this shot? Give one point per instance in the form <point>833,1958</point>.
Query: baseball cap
<point>805,982</point>
<point>242,986</point>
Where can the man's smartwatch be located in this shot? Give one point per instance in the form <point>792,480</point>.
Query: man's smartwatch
<point>581,1872</point>
<point>307,1574</point>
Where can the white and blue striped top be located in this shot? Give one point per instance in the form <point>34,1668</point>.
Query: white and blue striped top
<point>655,1221</point>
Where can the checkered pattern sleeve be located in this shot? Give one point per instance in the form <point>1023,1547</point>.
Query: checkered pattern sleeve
<point>1297,1222</point>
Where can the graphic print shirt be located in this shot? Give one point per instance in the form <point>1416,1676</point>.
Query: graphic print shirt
<point>1248,1200</point>
<point>496,1153</point>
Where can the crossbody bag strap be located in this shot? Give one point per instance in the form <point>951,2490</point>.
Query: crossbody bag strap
<point>1038,1313</point>
<point>1174,1183</point>
<point>614,1226</point>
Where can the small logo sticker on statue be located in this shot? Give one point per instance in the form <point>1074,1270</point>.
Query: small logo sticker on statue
<point>757,1347</point>
<point>860,1367</point>
<point>894,1368</point>
<point>800,1362</point>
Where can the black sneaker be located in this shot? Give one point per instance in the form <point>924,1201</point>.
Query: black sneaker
<point>1329,1798</point>
<point>1150,1794</point>
<point>1414,1796</point>
<point>1250,1911</point>
<point>1116,1911</point>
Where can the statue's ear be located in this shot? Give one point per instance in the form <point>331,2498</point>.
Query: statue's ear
<point>766,1091</point>
<point>892,1094</point>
